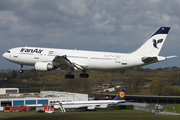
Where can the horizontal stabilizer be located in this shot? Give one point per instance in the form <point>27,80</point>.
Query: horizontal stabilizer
<point>171,56</point>
<point>149,59</point>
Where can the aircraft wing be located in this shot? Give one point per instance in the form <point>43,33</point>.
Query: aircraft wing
<point>65,64</point>
<point>93,107</point>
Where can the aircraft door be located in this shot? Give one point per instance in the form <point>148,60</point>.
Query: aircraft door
<point>16,54</point>
<point>36,55</point>
<point>124,60</point>
<point>89,58</point>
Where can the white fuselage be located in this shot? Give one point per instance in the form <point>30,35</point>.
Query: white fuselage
<point>88,104</point>
<point>45,59</point>
<point>90,60</point>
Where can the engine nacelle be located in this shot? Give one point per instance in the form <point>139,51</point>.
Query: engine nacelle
<point>44,66</point>
<point>103,106</point>
<point>91,108</point>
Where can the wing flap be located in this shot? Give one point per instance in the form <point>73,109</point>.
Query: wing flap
<point>65,64</point>
<point>62,62</point>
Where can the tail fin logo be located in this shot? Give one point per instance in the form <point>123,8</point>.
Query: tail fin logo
<point>122,94</point>
<point>155,42</point>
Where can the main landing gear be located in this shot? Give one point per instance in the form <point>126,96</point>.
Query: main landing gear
<point>21,70</point>
<point>71,76</point>
<point>83,75</point>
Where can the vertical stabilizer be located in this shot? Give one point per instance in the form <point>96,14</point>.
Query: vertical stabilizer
<point>154,44</point>
<point>121,94</point>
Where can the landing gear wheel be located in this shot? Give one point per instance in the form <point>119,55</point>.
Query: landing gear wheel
<point>66,76</point>
<point>69,76</point>
<point>21,70</point>
<point>86,75</point>
<point>83,75</point>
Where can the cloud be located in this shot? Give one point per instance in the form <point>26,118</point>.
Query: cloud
<point>116,25</point>
<point>103,22</point>
<point>73,8</point>
<point>127,27</point>
<point>7,20</point>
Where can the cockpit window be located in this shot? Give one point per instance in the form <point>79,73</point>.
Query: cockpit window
<point>8,51</point>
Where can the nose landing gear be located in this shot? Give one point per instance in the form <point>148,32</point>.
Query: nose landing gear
<point>21,70</point>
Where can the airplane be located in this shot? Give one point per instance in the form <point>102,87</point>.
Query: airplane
<point>46,59</point>
<point>92,105</point>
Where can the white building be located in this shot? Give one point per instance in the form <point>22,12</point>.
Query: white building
<point>8,90</point>
<point>65,96</point>
<point>42,99</point>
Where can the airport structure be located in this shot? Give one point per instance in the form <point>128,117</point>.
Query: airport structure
<point>150,99</point>
<point>12,97</point>
<point>8,90</point>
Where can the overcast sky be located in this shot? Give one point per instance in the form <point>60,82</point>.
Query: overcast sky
<point>98,25</point>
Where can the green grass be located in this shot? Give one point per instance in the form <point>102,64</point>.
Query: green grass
<point>91,115</point>
<point>170,108</point>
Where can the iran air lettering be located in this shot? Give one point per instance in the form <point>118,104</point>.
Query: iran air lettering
<point>31,50</point>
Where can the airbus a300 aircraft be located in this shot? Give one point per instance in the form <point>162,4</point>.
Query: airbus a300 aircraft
<point>46,59</point>
<point>92,105</point>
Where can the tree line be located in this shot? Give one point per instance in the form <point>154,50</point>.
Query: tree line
<point>164,81</point>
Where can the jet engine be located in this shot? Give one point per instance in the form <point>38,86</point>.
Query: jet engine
<point>44,66</point>
<point>91,107</point>
<point>103,106</point>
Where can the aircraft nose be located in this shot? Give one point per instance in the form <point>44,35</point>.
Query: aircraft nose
<point>5,55</point>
